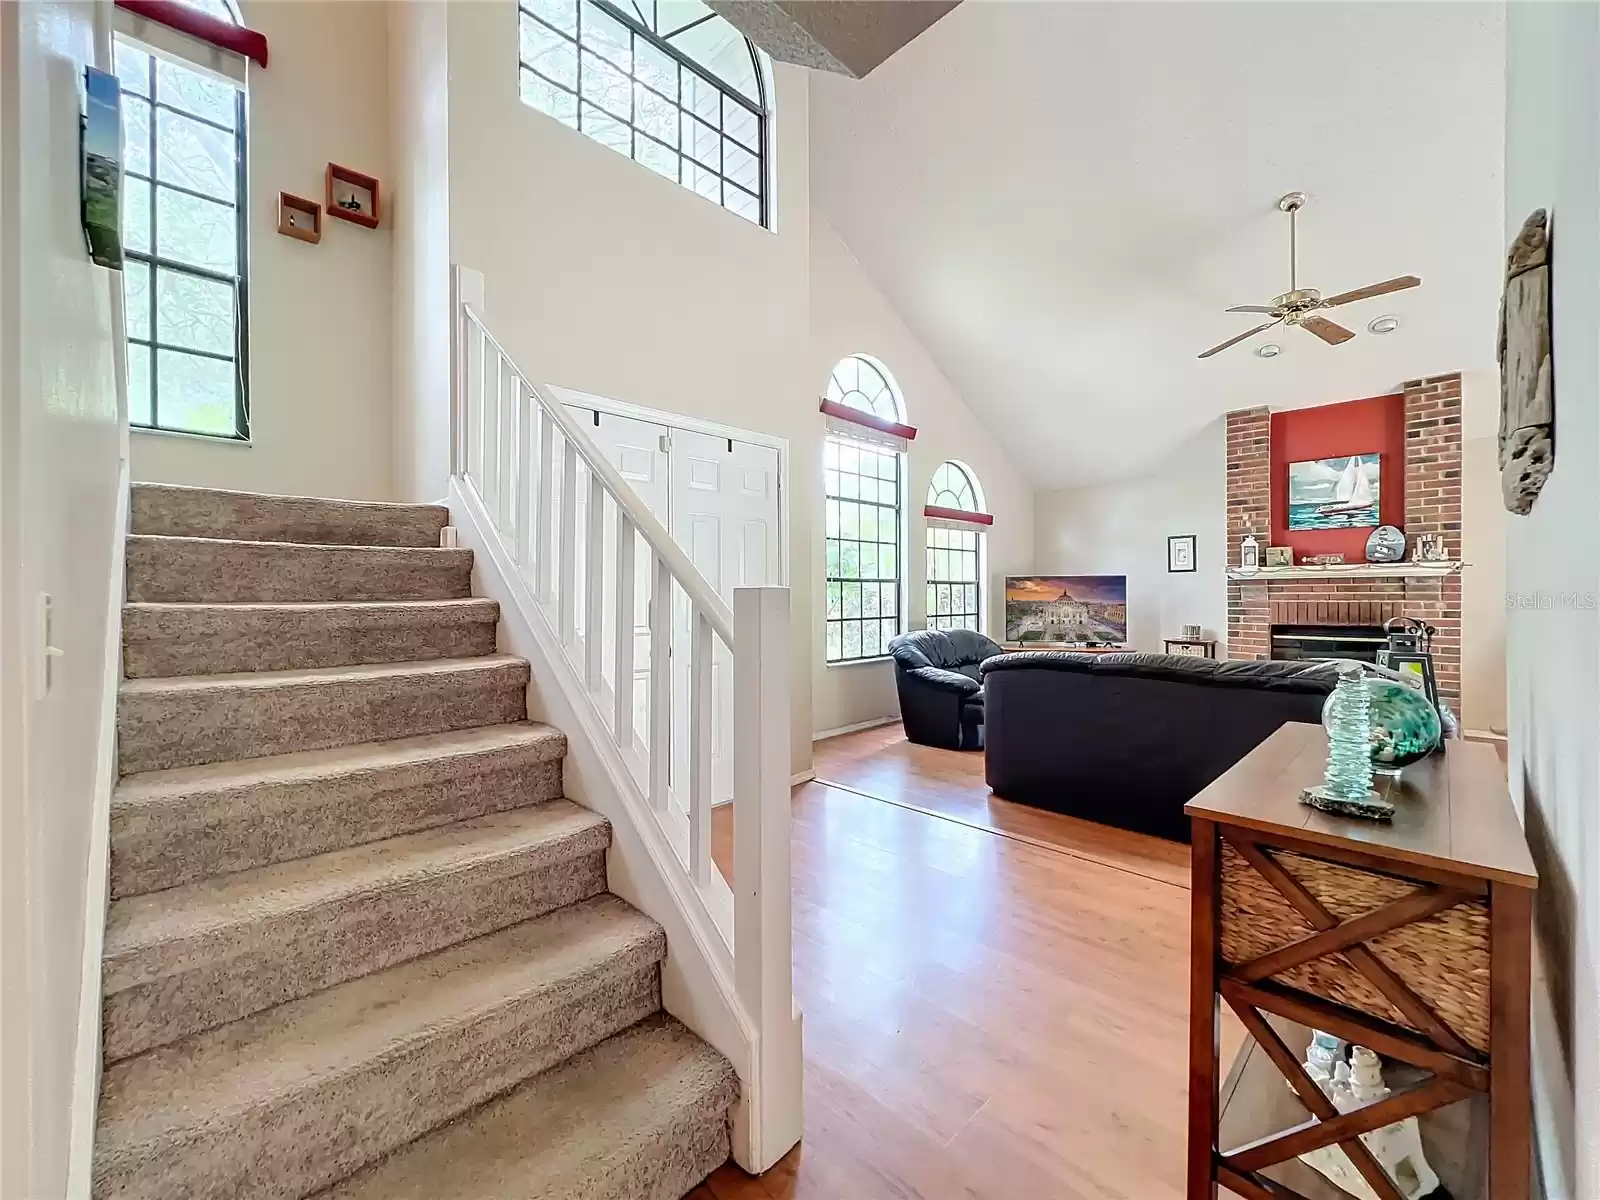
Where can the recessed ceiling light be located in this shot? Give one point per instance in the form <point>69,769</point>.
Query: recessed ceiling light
<point>1269,350</point>
<point>1385,324</point>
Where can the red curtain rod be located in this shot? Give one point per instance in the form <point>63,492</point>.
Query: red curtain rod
<point>222,34</point>
<point>845,413</point>
<point>958,514</point>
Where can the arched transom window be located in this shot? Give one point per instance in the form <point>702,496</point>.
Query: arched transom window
<point>862,482</point>
<point>668,83</point>
<point>955,579</point>
<point>184,238</point>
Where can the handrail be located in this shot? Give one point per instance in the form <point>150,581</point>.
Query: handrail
<point>660,541</point>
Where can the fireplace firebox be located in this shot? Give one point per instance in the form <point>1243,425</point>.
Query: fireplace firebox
<point>1312,642</point>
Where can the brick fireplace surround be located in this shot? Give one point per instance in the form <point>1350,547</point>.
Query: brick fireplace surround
<point>1433,505</point>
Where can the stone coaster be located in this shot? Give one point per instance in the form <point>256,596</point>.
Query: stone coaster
<point>1373,808</point>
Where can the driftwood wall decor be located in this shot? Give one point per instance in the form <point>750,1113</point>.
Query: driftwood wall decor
<point>1527,399</point>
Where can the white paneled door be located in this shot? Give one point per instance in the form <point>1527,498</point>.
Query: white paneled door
<point>720,498</point>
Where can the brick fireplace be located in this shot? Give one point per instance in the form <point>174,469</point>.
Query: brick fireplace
<point>1431,473</point>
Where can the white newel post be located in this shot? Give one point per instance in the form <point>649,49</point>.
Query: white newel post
<point>770,1111</point>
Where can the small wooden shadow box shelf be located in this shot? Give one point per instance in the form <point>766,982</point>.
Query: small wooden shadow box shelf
<point>1412,938</point>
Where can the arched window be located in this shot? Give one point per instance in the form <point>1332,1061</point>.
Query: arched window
<point>955,574</point>
<point>862,501</point>
<point>666,82</point>
<point>184,239</point>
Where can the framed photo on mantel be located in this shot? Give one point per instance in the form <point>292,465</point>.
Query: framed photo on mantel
<point>1180,552</point>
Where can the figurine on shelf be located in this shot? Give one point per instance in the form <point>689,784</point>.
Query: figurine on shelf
<point>1398,1147</point>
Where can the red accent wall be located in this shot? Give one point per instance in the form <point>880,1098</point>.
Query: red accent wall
<point>1375,425</point>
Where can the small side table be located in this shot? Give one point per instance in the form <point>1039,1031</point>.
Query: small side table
<point>1192,647</point>
<point>1412,938</point>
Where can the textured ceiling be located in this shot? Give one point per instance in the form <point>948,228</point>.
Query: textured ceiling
<point>848,37</point>
<point>1061,199</point>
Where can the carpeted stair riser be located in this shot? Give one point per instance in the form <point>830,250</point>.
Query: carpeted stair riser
<point>215,639</point>
<point>315,1115</point>
<point>167,570</point>
<point>191,720</point>
<point>174,827</point>
<point>642,1116</point>
<point>204,512</point>
<point>263,951</point>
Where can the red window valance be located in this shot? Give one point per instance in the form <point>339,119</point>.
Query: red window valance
<point>957,516</point>
<point>246,43</point>
<point>856,416</point>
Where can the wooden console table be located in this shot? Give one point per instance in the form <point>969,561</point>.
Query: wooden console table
<point>1412,938</point>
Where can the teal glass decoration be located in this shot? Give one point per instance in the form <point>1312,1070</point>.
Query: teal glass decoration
<point>1405,727</point>
<point>1347,783</point>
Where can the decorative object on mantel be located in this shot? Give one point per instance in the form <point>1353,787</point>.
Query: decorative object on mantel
<point>299,218</point>
<point>1527,391</point>
<point>1346,786</point>
<point>1180,553</point>
<point>1397,1147</point>
<point>1386,544</point>
<point>352,196</point>
<point>1249,555</point>
<point>1428,547</point>
<point>1278,556</point>
<point>1323,560</point>
<point>1405,723</point>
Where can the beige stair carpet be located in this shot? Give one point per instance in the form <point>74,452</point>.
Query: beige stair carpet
<point>358,940</point>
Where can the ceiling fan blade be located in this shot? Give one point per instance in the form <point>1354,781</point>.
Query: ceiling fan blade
<point>1255,308</point>
<point>1240,338</point>
<point>1398,284</point>
<point>1327,330</point>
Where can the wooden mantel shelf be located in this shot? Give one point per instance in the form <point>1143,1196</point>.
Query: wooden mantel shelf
<point>1407,570</point>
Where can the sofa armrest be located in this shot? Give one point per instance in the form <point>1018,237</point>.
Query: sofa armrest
<point>945,681</point>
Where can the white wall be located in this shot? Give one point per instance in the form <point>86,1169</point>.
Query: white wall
<point>320,318</point>
<point>849,315</point>
<point>61,457</point>
<point>1122,529</point>
<point>419,106</point>
<point>1553,565</point>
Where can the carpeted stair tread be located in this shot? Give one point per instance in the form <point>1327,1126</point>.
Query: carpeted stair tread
<point>174,826</point>
<point>156,933</point>
<point>173,510</point>
<point>192,570</point>
<point>299,1096</point>
<point>164,639</point>
<point>189,720</point>
<point>641,1116</point>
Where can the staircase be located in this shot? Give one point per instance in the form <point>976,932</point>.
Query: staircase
<point>359,945</point>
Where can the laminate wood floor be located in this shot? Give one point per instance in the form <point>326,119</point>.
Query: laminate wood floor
<point>995,1000</point>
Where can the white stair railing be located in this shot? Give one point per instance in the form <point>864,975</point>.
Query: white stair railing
<point>651,646</point>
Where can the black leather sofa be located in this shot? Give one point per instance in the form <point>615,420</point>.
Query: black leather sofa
<point>1129,739</point>
<point>941,695</point>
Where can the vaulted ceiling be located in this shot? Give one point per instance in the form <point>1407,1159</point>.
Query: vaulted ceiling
<point>1061,199</point>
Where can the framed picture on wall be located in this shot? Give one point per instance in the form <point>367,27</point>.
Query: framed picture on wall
<point>1180,552</point>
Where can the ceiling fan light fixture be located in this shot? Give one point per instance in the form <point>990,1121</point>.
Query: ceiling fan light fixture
<point>1384,324</point>
<point>1268,350</point>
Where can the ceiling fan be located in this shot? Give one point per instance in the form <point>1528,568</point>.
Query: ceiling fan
<point>1300,306</point>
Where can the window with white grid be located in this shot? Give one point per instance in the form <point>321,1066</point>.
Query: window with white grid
<point>668,83</point>
<point>954,578</point>
<point>863,501</point>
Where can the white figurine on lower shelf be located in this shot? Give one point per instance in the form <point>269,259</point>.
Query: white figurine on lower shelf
<point>1352,1085</point>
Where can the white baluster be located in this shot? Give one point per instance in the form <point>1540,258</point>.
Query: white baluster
<point>660,684</point>
<point>474,372</point>
<point>506,445</point>
<point>547,503</point>
<point>488,416</point>
<point>700,717</point>
<point>566,582</point>
<point>523,520</point>
<point>594,569</point>
<point>622,714</point>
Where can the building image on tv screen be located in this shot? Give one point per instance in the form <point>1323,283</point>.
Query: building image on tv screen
<point>1087,610</point>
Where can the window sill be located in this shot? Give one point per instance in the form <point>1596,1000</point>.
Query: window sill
<point>212,438</point>
<point>859,662</point>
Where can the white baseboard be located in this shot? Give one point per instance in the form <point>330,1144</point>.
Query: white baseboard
<point>800,777</point>
<point>856,728</point>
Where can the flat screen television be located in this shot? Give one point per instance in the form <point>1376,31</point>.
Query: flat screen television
<point>1070,610</point>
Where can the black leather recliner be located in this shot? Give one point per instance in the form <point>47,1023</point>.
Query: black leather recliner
<point>941,695</point>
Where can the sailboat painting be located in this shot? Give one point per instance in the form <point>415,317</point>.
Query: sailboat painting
<point>1334,493</point>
